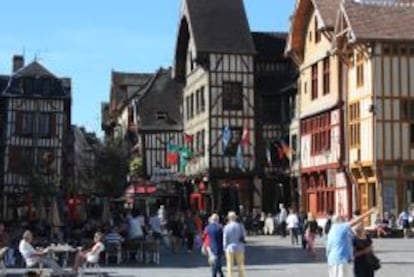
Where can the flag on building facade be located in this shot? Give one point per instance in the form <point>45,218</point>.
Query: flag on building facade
<point>188,138</point>
<point>245,139</point>
<point>226,137</point>
<point>269,155</point>
<point>185,156</point>
<point>239,157</point>
<point>172,153</point>
<point>286,148</point>
<point>279,151</point>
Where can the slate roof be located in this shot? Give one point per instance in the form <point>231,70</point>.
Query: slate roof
<point>162,94</point>
<point>269,45</point>
<point>381,22</point>
<point>124,86</point>
<point>34,69</point>
<point>328,10</point>
<point>220,26</point>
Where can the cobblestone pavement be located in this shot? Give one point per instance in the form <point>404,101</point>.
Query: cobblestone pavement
<point>270,256</point>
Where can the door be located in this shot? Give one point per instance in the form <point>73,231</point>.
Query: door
<point>313,203</point>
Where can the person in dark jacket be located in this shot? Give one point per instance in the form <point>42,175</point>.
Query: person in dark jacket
<point>214,231</point>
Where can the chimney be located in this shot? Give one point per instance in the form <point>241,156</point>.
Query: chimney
<point>18,62</point>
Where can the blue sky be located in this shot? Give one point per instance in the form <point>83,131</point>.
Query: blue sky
<point>86,39</point>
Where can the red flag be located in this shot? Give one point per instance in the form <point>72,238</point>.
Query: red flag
<point>188,138</point>
<point>279,151</point>
<point>172,158</point>
<point>245,139</point>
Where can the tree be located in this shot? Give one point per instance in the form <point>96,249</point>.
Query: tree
<point>110,169</point>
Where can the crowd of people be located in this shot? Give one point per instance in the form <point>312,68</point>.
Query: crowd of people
<point>216,235</point>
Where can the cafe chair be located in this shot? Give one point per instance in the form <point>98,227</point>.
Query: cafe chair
<point>113,249</point>
<point>136,249</point>
<point>152,252</point>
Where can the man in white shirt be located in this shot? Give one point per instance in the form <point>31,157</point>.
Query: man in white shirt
<point>282,219</point>
<point>33,257</point>
<point>292,223</point>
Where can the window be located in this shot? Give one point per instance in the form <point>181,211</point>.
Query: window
<point>25,124</point>
<point>161,115</point>
<point>354,125</point>
<point>320,133</point>
<point>202,100</point>
<point>294,141</point>
<point>407,114</point>
<point>187,107</point>
<point>232,96</point>
<point>360,69</point>
<point>326,76</point>
<point>192,105</point>
<point>314,81</point>
<point>44,125</point>
<point>317,32</point>
<point>197,105</point>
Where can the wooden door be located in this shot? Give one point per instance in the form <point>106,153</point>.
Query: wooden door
<point>313,203</point>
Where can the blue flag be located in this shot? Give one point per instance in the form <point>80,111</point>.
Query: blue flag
<point>226,137</point>
<point>240,158</point>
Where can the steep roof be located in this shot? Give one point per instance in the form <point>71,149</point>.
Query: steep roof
<point>328,10</point>
<point>124,86</point>
<point>34,69</point>
<point>220,26</point>
<point>381,22</point>
<point>162,94</point>
<point>269,45</point>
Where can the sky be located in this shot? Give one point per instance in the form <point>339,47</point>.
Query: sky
<point>87,39</point>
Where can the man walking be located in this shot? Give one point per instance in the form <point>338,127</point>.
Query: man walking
<point>214,231</point>
<point>339,245</point>
<point>282,219</point>
<point>233,241</point>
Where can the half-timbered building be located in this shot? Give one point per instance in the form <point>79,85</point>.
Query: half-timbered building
<point>214,59</point>
<point>274,75</point>
<point>35,107</point>
<point>119,115</point>
<point>324,180</point>
<point>159,128</point>
<point>375,39</point>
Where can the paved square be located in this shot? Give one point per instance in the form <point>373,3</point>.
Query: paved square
<point>270,256</point>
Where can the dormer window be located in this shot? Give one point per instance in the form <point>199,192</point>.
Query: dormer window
<point>161,115</point>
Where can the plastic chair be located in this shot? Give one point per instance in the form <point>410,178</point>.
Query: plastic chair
<point>96,268</point>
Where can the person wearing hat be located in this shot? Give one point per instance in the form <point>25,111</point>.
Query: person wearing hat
<point>234,236</point>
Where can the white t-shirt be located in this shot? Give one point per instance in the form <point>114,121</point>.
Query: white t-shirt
<point>292,221</point>
<point>282,215</point>
<point>27,251</point>
<point>155,223</point>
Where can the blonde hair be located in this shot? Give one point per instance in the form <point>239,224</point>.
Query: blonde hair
<point>311,217</point>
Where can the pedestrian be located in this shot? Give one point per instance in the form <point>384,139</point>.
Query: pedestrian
<point>269,226</point>
<point>328,223</point>
<point>175,226</point>
<point>189,230</point>
<point>90,255</point>
<point>404,223</point>
<point>292,223</point>
<point>311,230</point>
<point>282,219</point>
<point>214,243</point>
<point>234,238</point>
<point>362,253</point>
<point>339,245</point>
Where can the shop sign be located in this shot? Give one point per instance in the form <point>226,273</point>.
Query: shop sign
<point>163,175</point>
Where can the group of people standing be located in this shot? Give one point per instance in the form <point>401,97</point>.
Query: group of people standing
<point>228,241</point>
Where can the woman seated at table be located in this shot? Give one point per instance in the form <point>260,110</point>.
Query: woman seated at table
<point>91,255</point>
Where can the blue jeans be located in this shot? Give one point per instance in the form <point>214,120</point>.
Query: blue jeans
<point>216,266</point>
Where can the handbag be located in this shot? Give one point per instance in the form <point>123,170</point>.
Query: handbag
<point>374,261</point>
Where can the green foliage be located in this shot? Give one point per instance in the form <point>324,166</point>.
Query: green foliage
<point>111,168</point>
<point>136,167</point>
